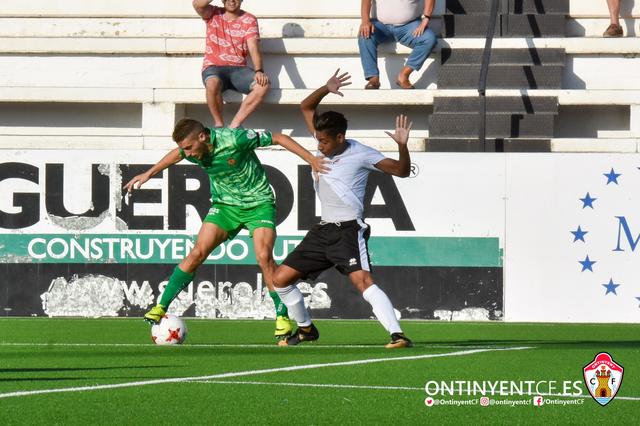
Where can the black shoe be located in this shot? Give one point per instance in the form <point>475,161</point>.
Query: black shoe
<point>399,340</point>
<point>302,334</point>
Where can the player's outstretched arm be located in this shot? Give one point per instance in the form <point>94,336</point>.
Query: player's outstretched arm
<point>317,163</point>
<point>402,166</point>
<point>171,158</point>
<point>311,102</point>
<point>203,8</point>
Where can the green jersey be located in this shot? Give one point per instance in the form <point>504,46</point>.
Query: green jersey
<point>236,176</point>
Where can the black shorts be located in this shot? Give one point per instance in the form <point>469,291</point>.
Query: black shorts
<point>341,244</point>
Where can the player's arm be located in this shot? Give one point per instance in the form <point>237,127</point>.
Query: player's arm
<point>311,102</point>
<point>203,8</point>
<point>317,163</point>
<point>171,158</point>
<point>402,166</point>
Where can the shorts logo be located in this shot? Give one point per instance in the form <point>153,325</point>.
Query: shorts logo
<point>266,221</point>
<point>353,261</point>
<point>214,210</point>
<point>603,377</point>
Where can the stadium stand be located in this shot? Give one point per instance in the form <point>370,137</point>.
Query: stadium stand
<point>115,75</point>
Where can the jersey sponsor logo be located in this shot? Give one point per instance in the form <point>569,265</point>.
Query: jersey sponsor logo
<point>353,261</point>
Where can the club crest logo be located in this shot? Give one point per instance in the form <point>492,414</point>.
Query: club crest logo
<point>231,162</point>
<point>603,377</point>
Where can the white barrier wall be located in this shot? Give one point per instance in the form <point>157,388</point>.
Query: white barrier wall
<point>572,234</point>
<point>556,236</point>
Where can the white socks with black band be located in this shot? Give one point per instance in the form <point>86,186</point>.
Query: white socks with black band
<point>382,308</point>
<point>292,297</point>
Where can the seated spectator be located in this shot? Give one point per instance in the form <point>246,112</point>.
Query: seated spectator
<point>401,21</point>
<point>614,29</point>
<point>232,34</point>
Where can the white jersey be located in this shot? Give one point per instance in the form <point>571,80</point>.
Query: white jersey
<point>341,190</point>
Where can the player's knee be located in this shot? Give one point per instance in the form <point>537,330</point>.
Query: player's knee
<point>279,278</point>
<point>264,258</point>
<point>198,254</point>
<point>277,282</point>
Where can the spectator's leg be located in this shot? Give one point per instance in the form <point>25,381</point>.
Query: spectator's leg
<point>614,11</point>
<point>243,81</point>
<point>421,45</point>
<point>614,29</point>
<point>213,87</point>
<point>369,53</point>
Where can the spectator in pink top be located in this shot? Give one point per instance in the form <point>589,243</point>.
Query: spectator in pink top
<point>232,34</point>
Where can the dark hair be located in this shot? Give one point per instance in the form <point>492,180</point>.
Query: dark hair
<point>331,122</point>
<point>186,127</point>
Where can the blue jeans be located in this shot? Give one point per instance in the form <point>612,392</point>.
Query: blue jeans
<point>403,34</point>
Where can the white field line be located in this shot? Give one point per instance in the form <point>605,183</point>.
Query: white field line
<point>401,388</point>
<point>310,385</point>
<point>235,345</point>
<point>252,372</point>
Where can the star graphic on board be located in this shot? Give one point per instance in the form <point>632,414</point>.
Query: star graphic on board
<point>587,264</point>
<point>587,201</point>
<point>611,287</point>
<point>612,176</point>
<point>579,234</point>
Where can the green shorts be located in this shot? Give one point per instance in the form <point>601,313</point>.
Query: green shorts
<point>232,218</point>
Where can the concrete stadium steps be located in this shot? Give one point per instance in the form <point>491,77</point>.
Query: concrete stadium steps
<point>194,46</point>
<point>508,6</point>
<point>297,9</point>
<point>502,77</point>
<point>519,56</point>
<point>505,125</point>
<point>463,99</point>
<point>510,123</point>
<point>492,145</point>
<point>516,18</point>
<point>497,105</point>
<point>546,25</point>
<point>275,27</point>
<point>101,52</point>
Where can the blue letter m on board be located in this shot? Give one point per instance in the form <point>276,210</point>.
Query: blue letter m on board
<point>624,226</point>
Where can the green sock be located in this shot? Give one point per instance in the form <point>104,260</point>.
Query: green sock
<point>281,308</point>
<point>178,280</point>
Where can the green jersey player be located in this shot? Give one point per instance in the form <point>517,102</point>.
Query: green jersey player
<point>241,198</point>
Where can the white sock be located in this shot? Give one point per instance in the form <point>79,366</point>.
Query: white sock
<point>382,308</point>
<point>292,297</point>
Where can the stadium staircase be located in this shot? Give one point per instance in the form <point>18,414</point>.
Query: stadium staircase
<point>513,123</point>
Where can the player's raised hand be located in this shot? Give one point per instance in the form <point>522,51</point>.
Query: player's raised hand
<point>403,127</point>
<point>136,182</point>
<point>337,81</point>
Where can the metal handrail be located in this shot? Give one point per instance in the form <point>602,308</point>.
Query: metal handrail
<point>484,71</point>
